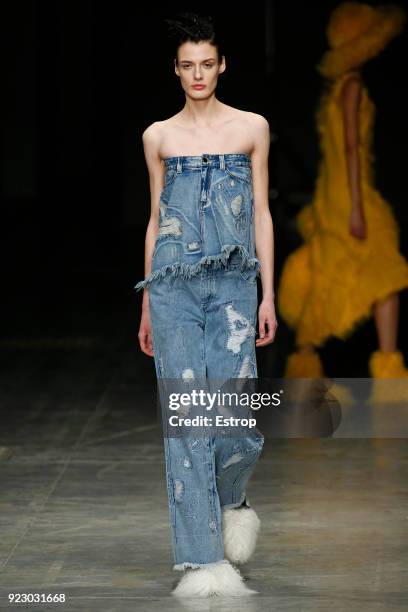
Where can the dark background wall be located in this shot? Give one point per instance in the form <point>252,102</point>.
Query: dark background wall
<point>84,79</point>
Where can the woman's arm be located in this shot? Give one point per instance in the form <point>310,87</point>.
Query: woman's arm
<point>350,100</point>
<point>263,226</point>
<point>151,142</point>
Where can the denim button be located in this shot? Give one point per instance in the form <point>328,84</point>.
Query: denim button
<point>205,159</point>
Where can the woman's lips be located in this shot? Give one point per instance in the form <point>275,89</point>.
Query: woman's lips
<point>198,86</point>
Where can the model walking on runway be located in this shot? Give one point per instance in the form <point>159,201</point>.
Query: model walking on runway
<point>209,236</point>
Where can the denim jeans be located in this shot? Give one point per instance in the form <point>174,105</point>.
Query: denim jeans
<point>205,328</point>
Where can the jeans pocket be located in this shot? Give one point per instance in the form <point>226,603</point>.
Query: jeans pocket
<point>169,178</point>
<point>240,173</point>
<point>248,275</point>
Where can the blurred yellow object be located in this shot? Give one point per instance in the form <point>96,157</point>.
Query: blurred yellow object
<point>304,365</point>
<point>388,365</point>
<point>330,283</point>
<point>357,32</point>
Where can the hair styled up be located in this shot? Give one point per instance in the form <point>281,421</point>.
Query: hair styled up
<point>190,27</point>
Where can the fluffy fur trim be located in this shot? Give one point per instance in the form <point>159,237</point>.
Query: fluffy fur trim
<point>390,376</point>
<point>387,364</point>
<point>240,527</point>
<point>221,579</point>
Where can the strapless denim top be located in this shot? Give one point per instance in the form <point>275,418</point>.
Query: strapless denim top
<point>206,216</point>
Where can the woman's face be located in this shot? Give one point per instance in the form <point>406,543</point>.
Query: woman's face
<point>198,69</point>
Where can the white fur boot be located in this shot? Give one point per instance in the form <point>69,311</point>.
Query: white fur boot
<point>214,579</point>
<point>240,527</point>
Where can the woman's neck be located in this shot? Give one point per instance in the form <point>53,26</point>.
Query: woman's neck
<point>202,113</point>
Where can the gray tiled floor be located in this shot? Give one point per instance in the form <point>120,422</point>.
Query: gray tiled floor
<point>84,507</point>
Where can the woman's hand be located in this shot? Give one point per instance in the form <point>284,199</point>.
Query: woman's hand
<point>267,322</point>
<point>145,333</point>
<point>357,224</point>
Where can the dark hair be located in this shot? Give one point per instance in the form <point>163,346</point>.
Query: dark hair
<point>195,28</point>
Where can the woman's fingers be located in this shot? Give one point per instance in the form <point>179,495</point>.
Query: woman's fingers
<point>267,331</point>
<point>262,326</point>
<point>149,345</point>
<point>145,341</point>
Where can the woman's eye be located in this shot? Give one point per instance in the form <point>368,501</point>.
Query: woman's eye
<point>206,65</point>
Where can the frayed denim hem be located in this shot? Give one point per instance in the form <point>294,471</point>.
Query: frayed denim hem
<point>235,505</point>
<point>216,261</point>
<point>186,564</point>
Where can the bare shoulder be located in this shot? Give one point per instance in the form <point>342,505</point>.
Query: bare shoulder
<point>153,137</point>
<point>153,132</point>
<point>258,122</point>
<point>157,131</point>
<point>257,127</point>
<point>253,120</point>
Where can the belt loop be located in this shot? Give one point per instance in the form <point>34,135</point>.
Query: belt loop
<point>179,165</point>
<point>222,162</point>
